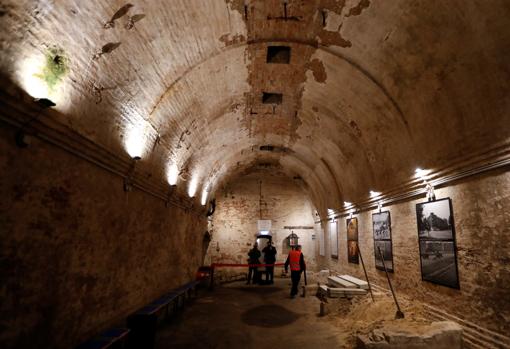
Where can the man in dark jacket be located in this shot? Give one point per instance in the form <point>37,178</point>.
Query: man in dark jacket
<point>269,258</point>
<point>253,260</point>
<point>297,265</point>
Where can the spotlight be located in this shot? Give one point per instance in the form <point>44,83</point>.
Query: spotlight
<point>347,204</point>
<point>23,139</point>
<point>44,103</point>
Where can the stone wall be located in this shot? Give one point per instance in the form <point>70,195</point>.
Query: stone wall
<point>77,253</point>
<point>481,210</point>
<point>235,221</point>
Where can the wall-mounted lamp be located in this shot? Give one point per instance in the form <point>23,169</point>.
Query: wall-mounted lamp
<point>431,196</point>
<point>423,175</point>
<point>128,179</point>
<point>379,206</point>
<point>292,239</point>
<point>347,204</point>
<point>22,139</point>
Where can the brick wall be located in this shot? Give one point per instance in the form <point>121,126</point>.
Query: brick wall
<point>78,253</point>
<point>234,225</point>
<point>481,209</point>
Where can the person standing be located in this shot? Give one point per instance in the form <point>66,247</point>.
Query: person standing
<point>296,260</point>
<point>269,258</point>
<point>253,260</point>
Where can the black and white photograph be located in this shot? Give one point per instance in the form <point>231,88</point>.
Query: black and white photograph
<point>385,246</point>
<point>439,262</point>
<point>382,225</point>
<point>435,221</point>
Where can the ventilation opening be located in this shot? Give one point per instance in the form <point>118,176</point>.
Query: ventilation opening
<point>272,98</point>
<point>278,54</point>
<point>266,148</point>
<point>264,164</point>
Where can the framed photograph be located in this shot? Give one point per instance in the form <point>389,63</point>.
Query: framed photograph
<point>435,220</point>
<point>352,228</point>
<point>352,251</point>
<point>352,240</point>
<point>386,250</point>
<point>436,235</point>
<point>333,238</point>
<point>381,223</point>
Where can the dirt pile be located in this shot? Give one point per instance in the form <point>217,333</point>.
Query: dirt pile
<point>361,315</point>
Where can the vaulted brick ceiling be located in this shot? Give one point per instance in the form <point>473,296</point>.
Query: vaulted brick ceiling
<point>373,88</point>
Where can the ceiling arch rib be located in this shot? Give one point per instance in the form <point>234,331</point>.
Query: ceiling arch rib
<point>178,104</point>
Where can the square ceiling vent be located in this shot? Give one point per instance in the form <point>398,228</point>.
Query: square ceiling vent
<point>272,98</point>
<point>278,54</point>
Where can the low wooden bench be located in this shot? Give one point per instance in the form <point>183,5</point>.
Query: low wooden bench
<point>143,323</point>
<point>114,338</point>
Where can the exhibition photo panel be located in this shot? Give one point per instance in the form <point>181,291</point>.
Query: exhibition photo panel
<point>352,240</point>
<point>381,223</point>
<point>333,238</point>
<point>436,234</point>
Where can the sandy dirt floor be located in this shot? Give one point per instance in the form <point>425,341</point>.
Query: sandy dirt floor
<point>243,316</point>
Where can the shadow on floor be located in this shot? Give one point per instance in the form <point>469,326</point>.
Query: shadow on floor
<point>269,316</point>
<point>259,290</point>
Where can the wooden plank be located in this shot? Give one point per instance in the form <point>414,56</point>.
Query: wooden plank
<point>347,291</point>
<point>358,282</point>
<point>338,282</point>
<point>323,289</point>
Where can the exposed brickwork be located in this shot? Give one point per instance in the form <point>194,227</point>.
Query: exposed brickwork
<point>235,221</point>
<point>482,221</point>
<point>77,252</point>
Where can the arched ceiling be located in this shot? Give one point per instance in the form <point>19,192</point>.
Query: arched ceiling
<point>373,88</point>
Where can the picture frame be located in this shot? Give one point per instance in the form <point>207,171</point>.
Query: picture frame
<point>333,238</point>
<point>381,226</point>
<point>352,240</point>
<point>437,242</point>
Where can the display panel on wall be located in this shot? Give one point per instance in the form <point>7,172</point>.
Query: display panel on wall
<point>333,238</point>
<point>436,235</point>
<point>352,240</point>
<point>381,223</point>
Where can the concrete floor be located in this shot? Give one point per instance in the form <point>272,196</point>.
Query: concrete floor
<point>250,316</point>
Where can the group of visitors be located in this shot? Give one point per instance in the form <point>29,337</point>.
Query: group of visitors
<point>295,260</point>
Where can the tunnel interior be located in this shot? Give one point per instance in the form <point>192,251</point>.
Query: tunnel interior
<point>143,140</point>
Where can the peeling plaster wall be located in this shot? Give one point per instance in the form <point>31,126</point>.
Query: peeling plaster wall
<point>481,209</point>
<point>77,253</point>
<point>235,221</point>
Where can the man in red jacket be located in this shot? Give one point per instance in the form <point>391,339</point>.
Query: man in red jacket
<point>297,265</point>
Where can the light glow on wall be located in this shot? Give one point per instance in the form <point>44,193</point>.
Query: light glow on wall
<point>203,200</point>
<point>31,81</point>
<point>172,174</point>
<point>192,189</point>
<point>135,140</point>
<point>421,173</point>
<point>374,194</point>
